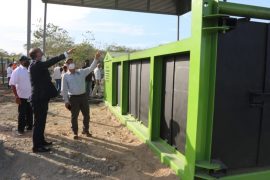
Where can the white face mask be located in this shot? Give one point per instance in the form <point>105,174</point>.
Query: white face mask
<point>43,58</point>
<point>71,66</point>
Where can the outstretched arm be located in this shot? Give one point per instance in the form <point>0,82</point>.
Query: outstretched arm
<point>88,70</point>
<point>56,59</point>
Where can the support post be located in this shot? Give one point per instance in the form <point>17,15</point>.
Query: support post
<point>155,94</point>
<point>178,27</point>
<point>44,28</point>
<point>28,26</point>
<point>3,74</point>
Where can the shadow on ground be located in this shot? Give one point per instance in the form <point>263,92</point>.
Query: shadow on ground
<point>83,159</point>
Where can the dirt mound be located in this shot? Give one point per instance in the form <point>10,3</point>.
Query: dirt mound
<point>112,153</point>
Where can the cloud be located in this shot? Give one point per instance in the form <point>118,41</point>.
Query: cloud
<point>13,25</point>
<point>106,25</point>
<point>13,13</point>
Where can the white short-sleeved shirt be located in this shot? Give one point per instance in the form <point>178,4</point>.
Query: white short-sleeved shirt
<point>57,73</point>
<point>97,73</point>
<point>9,72</point>
<point>20,78</point>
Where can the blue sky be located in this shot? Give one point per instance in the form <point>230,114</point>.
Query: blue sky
<point>132,29</point>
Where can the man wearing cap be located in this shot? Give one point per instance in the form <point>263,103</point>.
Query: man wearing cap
<point>42,91</point>
<point>21,87</point>
<point>75,97</point>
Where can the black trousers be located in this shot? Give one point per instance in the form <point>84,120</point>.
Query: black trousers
<point>25,117</point>
<point>40,109</point>
<point>8,83</point>
<point>79,102</point>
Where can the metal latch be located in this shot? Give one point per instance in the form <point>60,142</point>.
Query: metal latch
<point>257,99</point>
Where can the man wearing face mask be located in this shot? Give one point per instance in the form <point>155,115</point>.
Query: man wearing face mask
<point>42,91</point>
<point>21,87</point>
<point>75,97</point>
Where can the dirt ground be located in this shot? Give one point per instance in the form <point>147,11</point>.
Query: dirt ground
<point>112,153</point>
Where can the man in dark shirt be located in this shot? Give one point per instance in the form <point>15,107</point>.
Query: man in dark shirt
<point>42,91</point>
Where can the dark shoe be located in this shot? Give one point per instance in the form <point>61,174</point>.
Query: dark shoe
<point>29,129</point>
<point>45,143</point>
<point>76,137</point>
<point>19,133</point>
<point>41,149</point>
<point>87,133</point>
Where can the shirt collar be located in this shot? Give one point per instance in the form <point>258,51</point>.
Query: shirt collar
<point>76,71</point>
<point>21,66</point>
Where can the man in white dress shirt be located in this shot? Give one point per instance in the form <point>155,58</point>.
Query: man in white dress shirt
<point>21,87</point>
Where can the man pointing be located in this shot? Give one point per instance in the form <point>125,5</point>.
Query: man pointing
<point>42,91</point>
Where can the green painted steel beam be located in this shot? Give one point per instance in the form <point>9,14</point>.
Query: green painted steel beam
<point>244,10</point>
<point>162,50</point>
<point>155,94</point>
<point>208,165</point>
<point>205,176</point>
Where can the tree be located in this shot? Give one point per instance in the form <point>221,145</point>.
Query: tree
<point>10,57</point>
<point>84,51</point>
<point>3,53</point>
<point>118,48</point>
<point>57,39</point>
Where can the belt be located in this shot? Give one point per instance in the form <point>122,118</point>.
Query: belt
<point>79,95</point>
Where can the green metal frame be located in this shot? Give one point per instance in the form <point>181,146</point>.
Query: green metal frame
<point>202,47</point>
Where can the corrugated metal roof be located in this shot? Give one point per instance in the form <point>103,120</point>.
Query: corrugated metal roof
<point>172,7</point>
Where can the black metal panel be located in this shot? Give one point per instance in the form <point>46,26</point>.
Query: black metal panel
<point>133,5</point>
<point>240,70</point>
<point>134,90</point>
<point>180,99</point>
<point>173,7</point>
<point>98,3</point>
<point>138,95</point>
<point>178,7</point>
<point>119,84</point>
<point>264,149</point>
<point>144,97</point>
<point>165,124</point>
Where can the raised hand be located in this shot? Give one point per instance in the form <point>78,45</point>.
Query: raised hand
<point>98,54</point>
<point>70,51</point>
